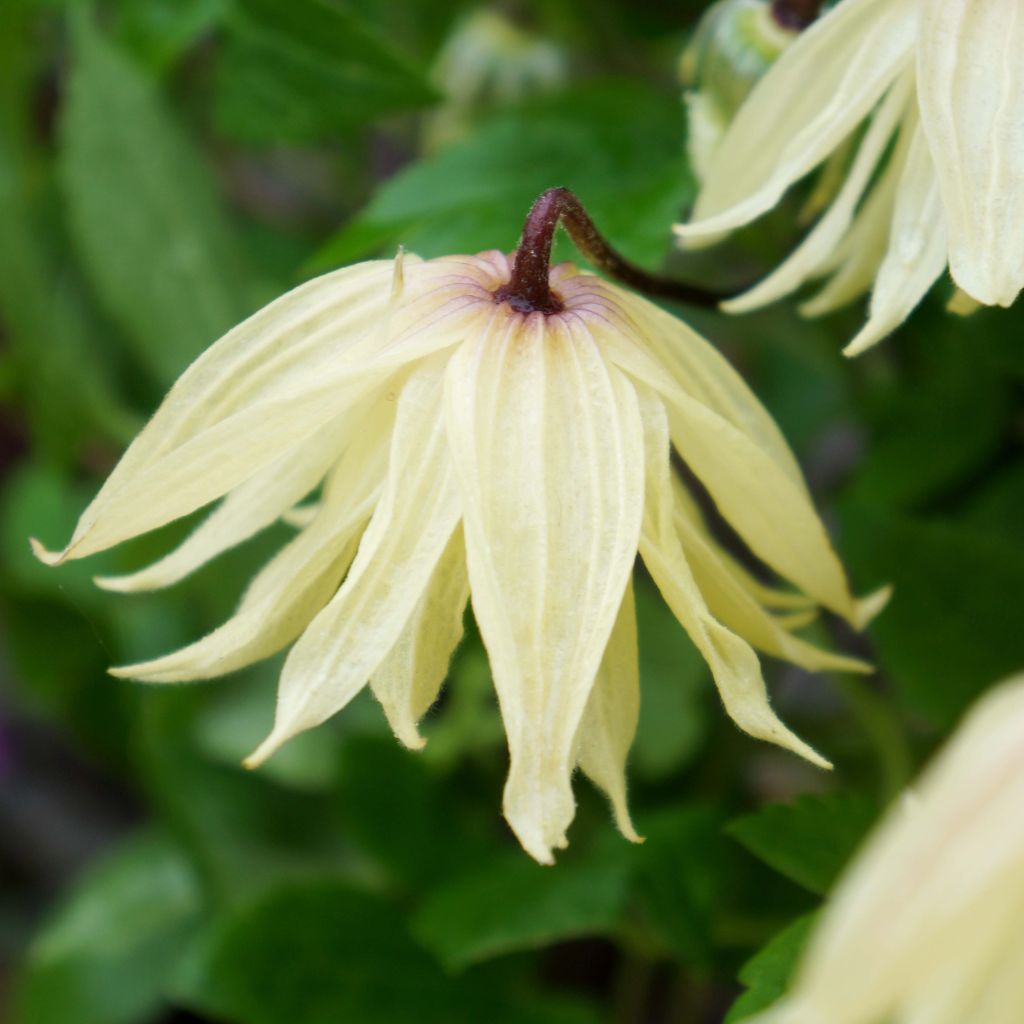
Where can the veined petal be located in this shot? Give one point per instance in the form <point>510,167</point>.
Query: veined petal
<point>613,709</point>
<point>249,508</point>
<point>410,677</point>
<point>732,662</point>
<point>814,95</point>
<point>917,249</point>
<point>298,581</point>
<point>548,446</point>
<point>695,366</point>
<point>971,94</point>
<point>734,605</point>
<point>409,532</point>
<point>821,242</point>
<point>771,512</point>
<point>199,446</point>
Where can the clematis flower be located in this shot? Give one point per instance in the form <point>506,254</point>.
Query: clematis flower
<point>936,90</point>
<point>482,426</point>
<point>927,925</point>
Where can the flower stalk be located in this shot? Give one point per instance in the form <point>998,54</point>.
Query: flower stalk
<point>529,289</point>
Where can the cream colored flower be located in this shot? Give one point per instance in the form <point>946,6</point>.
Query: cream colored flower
<point>927,926</point>
<point>937,177</point>
<point>466,447</point>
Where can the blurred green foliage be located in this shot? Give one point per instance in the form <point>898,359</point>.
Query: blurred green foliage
<point>164,169</point>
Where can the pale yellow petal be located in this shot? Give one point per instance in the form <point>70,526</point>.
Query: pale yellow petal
<point>732,661</point>
<point>809,100</point>
<point>548,446</point>
<point>821,242</point>
<point>410,677</point>
<point>297,582</point>
<point>409,532</point>
<point>613,709</point>
<point>917,249</point>
<point>971,94</point>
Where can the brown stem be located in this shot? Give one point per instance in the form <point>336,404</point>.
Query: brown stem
<point>796,14</point>
<point>528,289</point>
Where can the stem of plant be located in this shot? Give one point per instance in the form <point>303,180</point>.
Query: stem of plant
<point>529,289</point>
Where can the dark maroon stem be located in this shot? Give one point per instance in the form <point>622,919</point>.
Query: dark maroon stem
<point>528,289</point>
<point>796,14</point>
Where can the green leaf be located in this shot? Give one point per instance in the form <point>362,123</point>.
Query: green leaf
<point>110,949</point>
<point>952,627</point>
<point>321,952</point>
<point>676,691</point>
<point>513,904</point>
<point>810,840</point>
<point>144,213</point>
<point>618,145</point>
<point>307,70</point>
<point>767,974</point>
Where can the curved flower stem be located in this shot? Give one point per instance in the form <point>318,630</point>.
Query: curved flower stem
<point>529,290</point>
<point>796,14</point>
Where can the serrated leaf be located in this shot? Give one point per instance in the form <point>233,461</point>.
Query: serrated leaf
<point>618,145</point>
<point>808,840</point>
<point>768,972</point>
<point>144,213</point>
<point>307,70</point>
<point>513,904</point>
<point>108,952</point>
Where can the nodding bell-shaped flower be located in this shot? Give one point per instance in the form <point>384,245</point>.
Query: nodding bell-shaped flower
<point>485,427</point>
<point>936,176</point>
<point>927,925</point>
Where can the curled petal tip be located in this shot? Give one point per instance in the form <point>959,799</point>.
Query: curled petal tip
<point>45,555</point>
<point>411,738</point>
<point>115,584</point>
<point>868,607</point>
<point>266,749</point>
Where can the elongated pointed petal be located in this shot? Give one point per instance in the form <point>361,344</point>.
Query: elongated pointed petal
<point>547,443</point>
<point>250,508</point>
<point>297,582</point>
<point>610,719</point>
<point>732,662</point>
<point>917,249</point>
<point>409,532</point>
<point>813,96</point>
<point>735,606</point>
<point>821,242</point>
<point>410,677</point>
<point>946,865</point>
<point>971,94</point>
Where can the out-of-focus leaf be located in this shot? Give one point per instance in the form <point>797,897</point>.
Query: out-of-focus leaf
<point>952,627</point>
<point>309,70</point>
<point>320,952</point>
<point>158,33</point>
<point>996,509</point>
<point>616,144</point>
<point>144,212</point>
<point>110,949</point>
<point>768,972</point>
<point>808,840</point>
<point>679,875</point>
<point>675,691</point>
<point>513,904</point>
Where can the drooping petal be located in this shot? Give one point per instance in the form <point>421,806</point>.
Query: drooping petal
<point>813,96</point>
<point>917,249</point>
<point>613,709</point>
<point>406,538</point>
<point>971,94</point>
<point>250,508</point>
<point>733,663</point>
<point>734,605</point>
<point>823,239</point>
<point>298,581</point>
<point>548,447</point>
<point>213,433</point>
<point>410,677</point>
